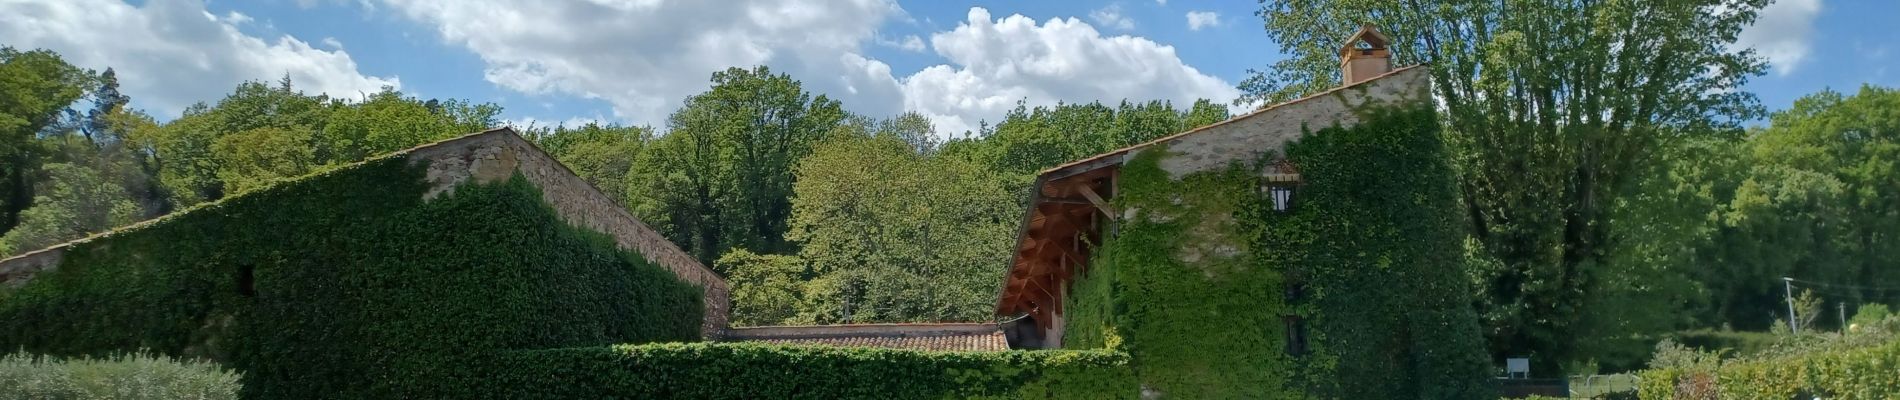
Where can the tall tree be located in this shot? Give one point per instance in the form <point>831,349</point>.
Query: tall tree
<point>1552,107</point>
<point>35,86</point>
<point>601,154</point>
<point>725,179</point>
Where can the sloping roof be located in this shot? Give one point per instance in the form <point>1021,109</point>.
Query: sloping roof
<point>937,337</point>
<point>1062,219</point>
<point>584,206</point>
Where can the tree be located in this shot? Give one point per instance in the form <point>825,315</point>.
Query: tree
<point>601,154</point>
<point>1553,107</point>
<point>75,201</point>
<point>35,86</point>
<point>724,177</point>
<point>387,122</point>
<point>895,235</point>
<point>766,289</point>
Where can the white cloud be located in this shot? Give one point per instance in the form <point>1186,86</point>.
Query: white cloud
<point>1161,2</point>
<point>1202,19</point>
<point>910,43</point>
<point>644,56</point>
<point>332,42</point>
<point>998,62</point>
<point>237,18</point>
<point>1783,34</point>
<point>171,53</point>
<point>1112,17</point>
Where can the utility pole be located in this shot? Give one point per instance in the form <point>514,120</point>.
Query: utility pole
<point>1787,287</point>
<point>1843,307</point>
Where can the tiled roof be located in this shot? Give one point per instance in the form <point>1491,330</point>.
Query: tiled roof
<point>940,337</point>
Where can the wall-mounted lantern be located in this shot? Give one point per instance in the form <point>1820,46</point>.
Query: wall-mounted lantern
<point>1282,180</point>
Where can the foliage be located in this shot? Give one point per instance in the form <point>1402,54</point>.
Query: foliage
<point>766,289</point>
<point>1853,366</point>
<point>76,202</point>
<point>1740,343</point>
<point>601,154</point>
<point>1031,139</point>
<point>34,87</point>
<point>1553,108</point>
<point>1204,281</point>
<point>126,376</point>
<point>1869,316</point>
<point>895,235</point>
<point>754,371</point>
<point>349,284</point>
<point>722,177</point>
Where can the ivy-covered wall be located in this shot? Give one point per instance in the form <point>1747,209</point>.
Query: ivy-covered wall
<point>764,371</point>
<point>1195,283</point>
<point>349,284</point>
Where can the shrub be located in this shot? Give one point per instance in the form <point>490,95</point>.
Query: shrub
<point>762,371</point>
<point>1836,369</point>
<point>128,376</point>
<point>349,284</point>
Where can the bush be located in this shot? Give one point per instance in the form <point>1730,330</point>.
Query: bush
<point>130,376</point>
<point>762,371</point>
<point>1838,368</point>
<point>349,284</point>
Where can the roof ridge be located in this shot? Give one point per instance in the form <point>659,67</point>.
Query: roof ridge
<point>271,185</point>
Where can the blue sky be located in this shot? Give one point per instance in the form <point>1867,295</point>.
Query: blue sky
<point>632,61</point>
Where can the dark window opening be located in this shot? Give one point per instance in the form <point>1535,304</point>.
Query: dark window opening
<point>247,281</point>
<point>1295,335</point>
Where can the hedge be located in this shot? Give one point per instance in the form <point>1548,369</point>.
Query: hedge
<point>1852,373</point>
<point>348,284</point>
<point>127,376</point>
<point>1198,286</point>
<point>763,371</point>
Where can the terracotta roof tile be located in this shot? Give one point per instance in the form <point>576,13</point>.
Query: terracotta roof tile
<point>937,337</point>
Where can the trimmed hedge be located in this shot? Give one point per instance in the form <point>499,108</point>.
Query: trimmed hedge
<point>347,284</point>
<point>129,376</point>
<point>1854,373</point>
<point>1195,287</point>
<point>762,371</point>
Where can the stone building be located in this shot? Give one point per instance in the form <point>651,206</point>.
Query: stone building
<point>484,157</point>
<point>1302,249</point>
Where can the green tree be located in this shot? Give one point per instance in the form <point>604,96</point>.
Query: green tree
<point>722,176</point>
<point>35,86</point>
<point>1553,108</point>
<point>766,289</point>
<point>601,154</point>
<point>894,235</point>
<point>75,201</point>
<point>387,121</point>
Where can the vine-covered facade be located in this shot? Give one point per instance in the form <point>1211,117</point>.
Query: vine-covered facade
<point>1309,249</point>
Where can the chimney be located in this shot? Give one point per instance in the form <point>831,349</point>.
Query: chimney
<point>1364,56</point>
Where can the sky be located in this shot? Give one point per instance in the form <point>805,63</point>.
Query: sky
<point>634,61</point>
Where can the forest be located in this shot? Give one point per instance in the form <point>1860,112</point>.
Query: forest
<point>1620,185</point>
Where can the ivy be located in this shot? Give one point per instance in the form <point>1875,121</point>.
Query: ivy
<point>348,284</point>
<point>762,371</point>
<point>1194,285</point>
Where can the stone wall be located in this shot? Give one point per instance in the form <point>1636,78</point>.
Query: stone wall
<point>1245,138</point>
<point>498,154</point>
<point>15,271</point>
